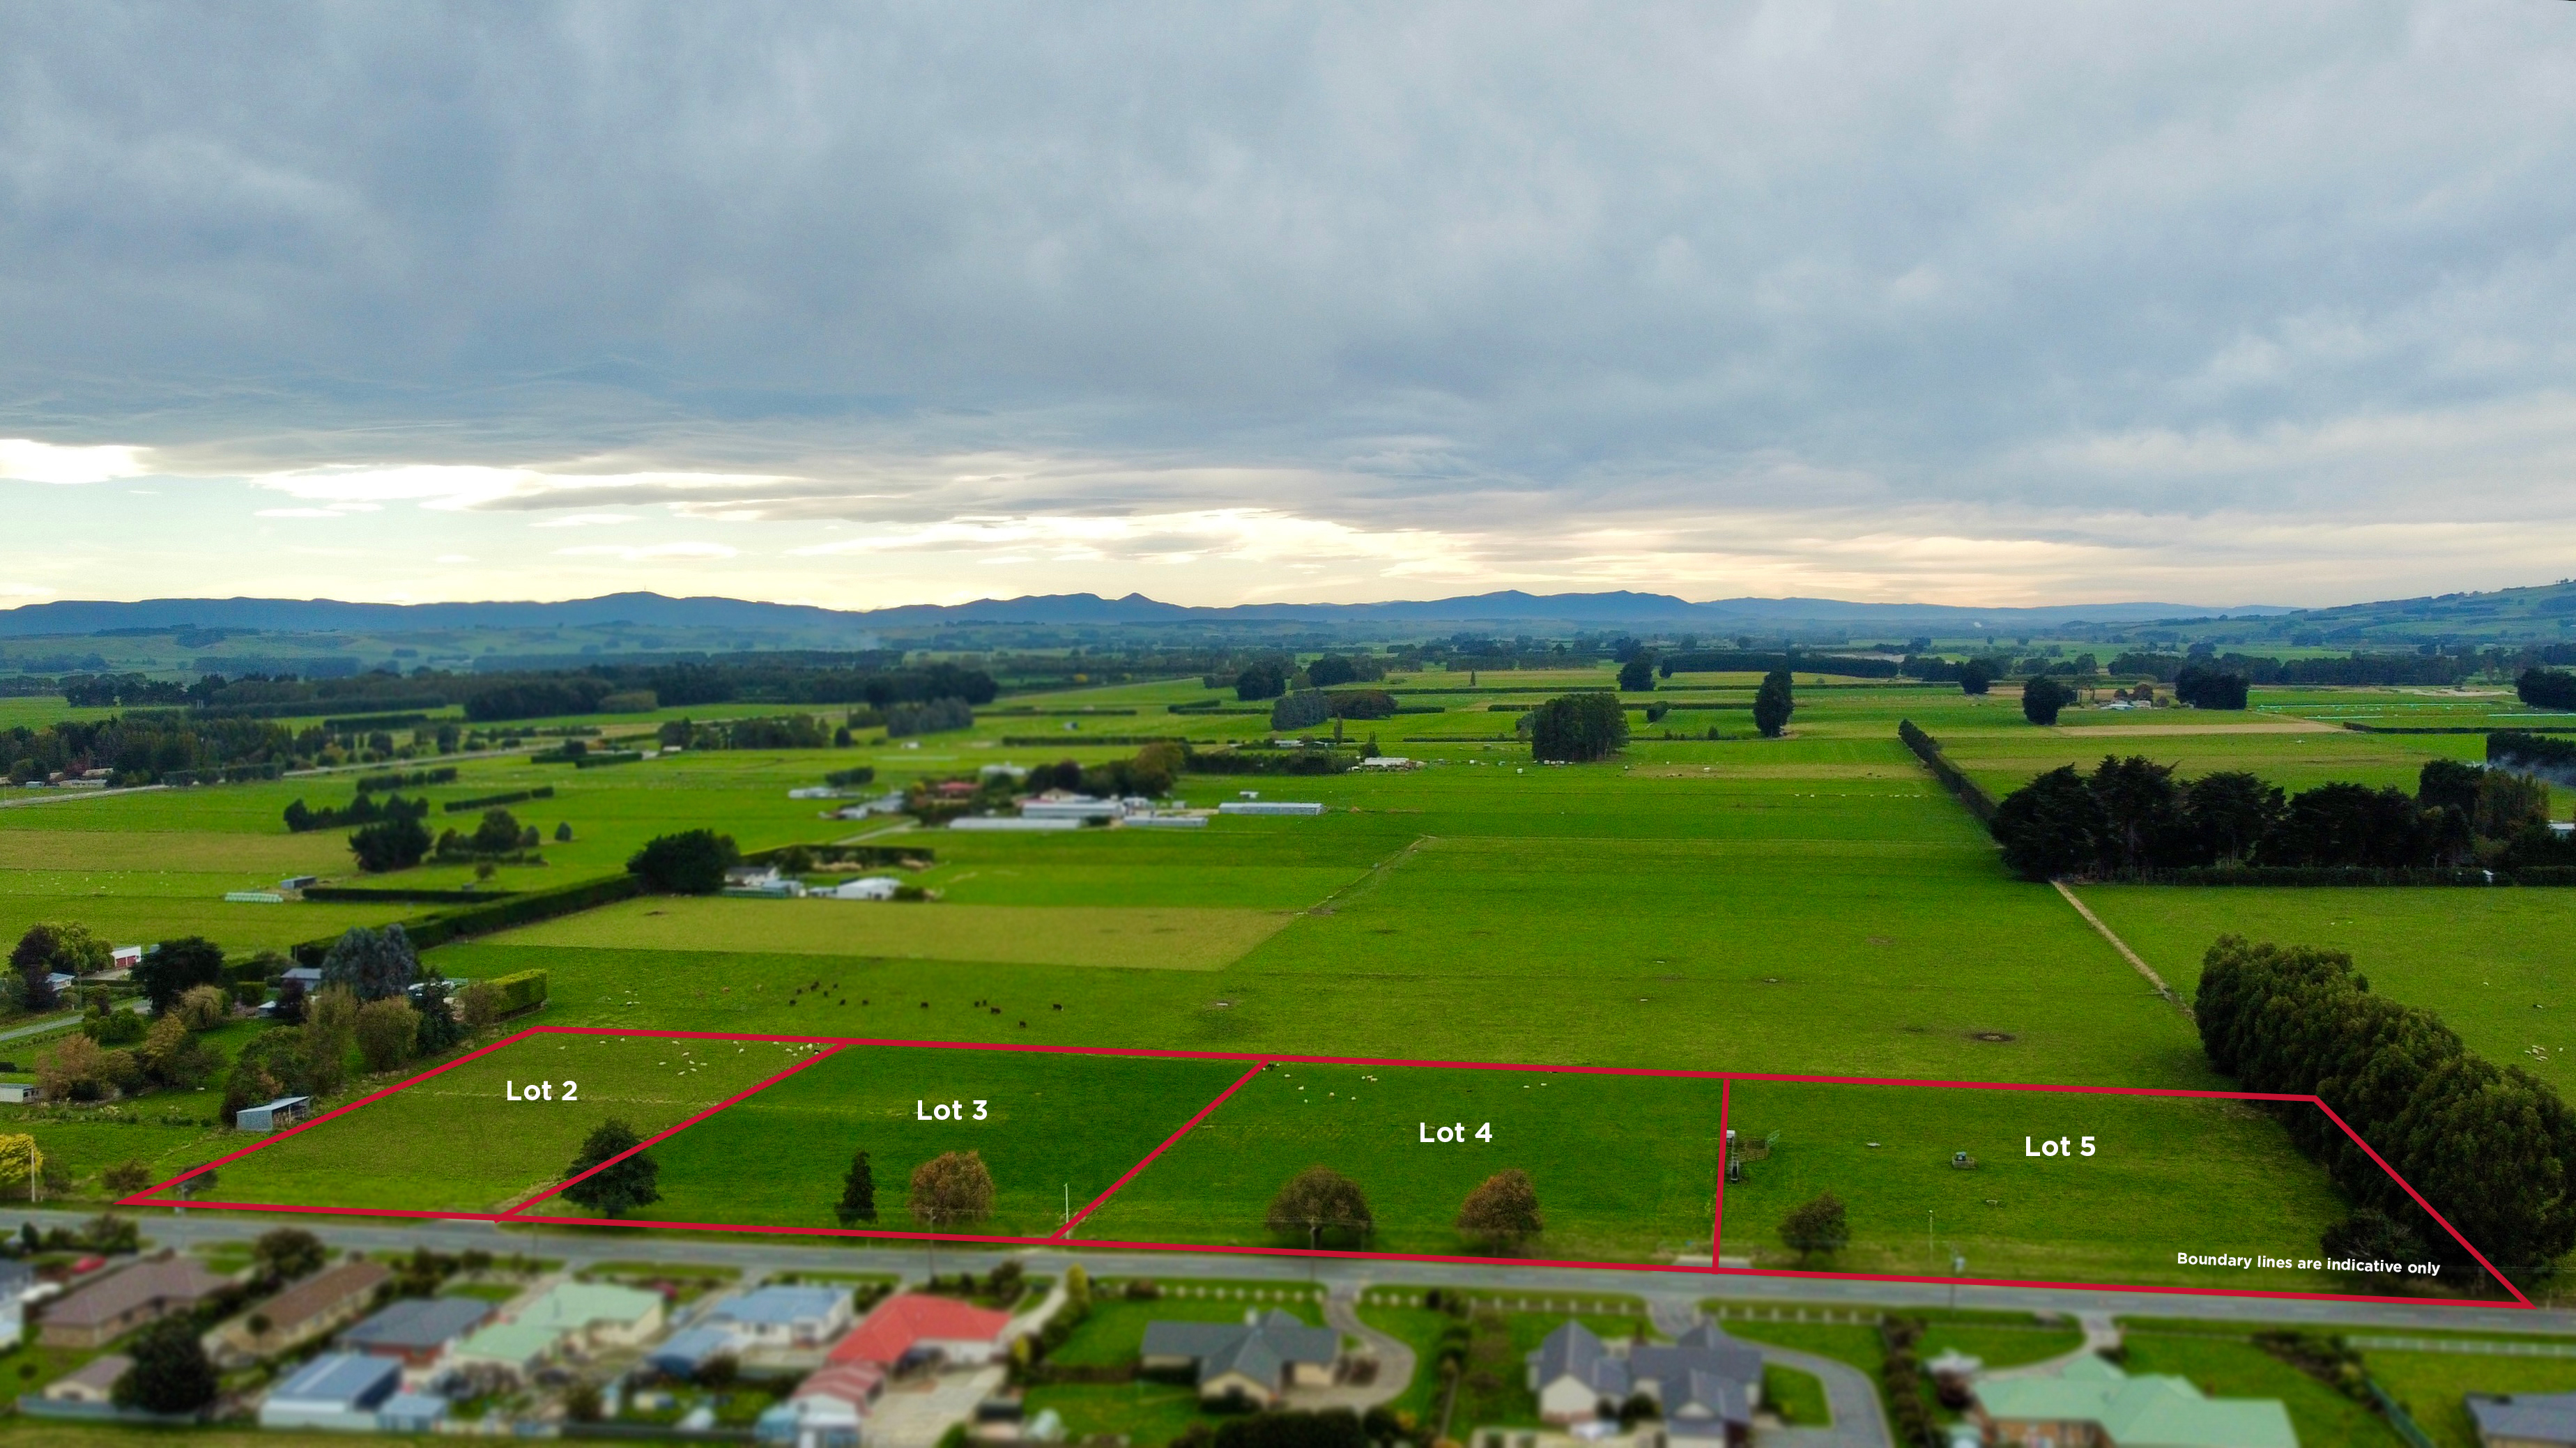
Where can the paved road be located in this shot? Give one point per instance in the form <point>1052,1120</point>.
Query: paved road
<point>1859,1422</point>
<point>1339,1275</point>
<point>1395,1365</point>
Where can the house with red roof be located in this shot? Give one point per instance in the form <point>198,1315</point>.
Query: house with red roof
<point>915,1327</point>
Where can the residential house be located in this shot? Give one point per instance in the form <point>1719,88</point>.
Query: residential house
<point>1705,1385</point>
<point>784,1316</point>
<point>336,1390</point>
<point>578,1317</point>
<point>914,1327</point>
<point>120,1302</point>
<point>125,957</point>
<point>684,1352</point>
<point>2091,1404</point>
<point>418,1330</point>
<point>828,1410</point>
<point>2524,1420</point>
<point>94,1385</point>
<point>308,1309</point>
<point>1252,1361</point>
<point>307,976</point>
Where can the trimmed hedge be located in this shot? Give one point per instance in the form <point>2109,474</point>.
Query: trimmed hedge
<point>2339,875</point>
<point>1270,761</point>
<point>370,783</point>
<point>1928,749</point>
<point>519,991</point>
<point>492,801</point>
<point>1047,741</point>
<point>360,895</point>
<point>440,927</point>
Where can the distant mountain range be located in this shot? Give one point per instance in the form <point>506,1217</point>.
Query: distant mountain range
<point>653,610</point>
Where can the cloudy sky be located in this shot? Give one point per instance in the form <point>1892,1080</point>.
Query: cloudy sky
<point>1969,302</point>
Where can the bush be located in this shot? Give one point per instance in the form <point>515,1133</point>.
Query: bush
<point>518,991</point>
<point>690,863</point>
<point>386,1030</point>
<point>1817,1228</point>
<point>204,1007</point>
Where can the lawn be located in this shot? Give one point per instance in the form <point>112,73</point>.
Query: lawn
<point>456,1143</point>
<point>2226,1366</point>
<point>2491,963</point>
<point>1623,1165</point>
<point>1058,1128</point>
<point>2432,1386</point>
<point>2109,1218</point>
<point>1146,1411</point>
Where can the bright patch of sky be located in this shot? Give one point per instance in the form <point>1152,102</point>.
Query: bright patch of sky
<point>1973,303</point>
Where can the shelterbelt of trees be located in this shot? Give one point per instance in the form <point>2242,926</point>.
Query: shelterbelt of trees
<point>2491,1147</point>
<point>2132,814</point>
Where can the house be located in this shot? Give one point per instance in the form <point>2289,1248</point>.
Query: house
<point>2524,1420</point>
<point>94,1384</point>
<point>61,983</point>
<point>418,1330</point>
<point>411,1413</point>
<point>2091,1404</point>
<point>307,976</point>
<point>125,957</point>
<point>827,1410</point>
<point>336,1390</point>
<point>784,1316</point>
<point>284,1111</point>
<point>912,1327</point>
<point>683,1353</point>
<point>308,1309</point>
<point>1253,1361</point>
<point>1706,1384</point>
<point>872,887</point>
<point>120,1302</point>
<point>577,1317</point>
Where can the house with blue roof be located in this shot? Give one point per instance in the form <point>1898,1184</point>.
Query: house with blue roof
<point>787,1317</point>
<point>340,1390</point>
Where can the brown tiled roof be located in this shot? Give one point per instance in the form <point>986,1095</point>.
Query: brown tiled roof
<point>321,1293</point>
<point>104,1301</point>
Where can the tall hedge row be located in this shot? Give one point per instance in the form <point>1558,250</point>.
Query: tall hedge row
<point>2491,1148</point>
<point>1928,749</point>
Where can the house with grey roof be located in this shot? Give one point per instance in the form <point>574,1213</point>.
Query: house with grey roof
<point>2524,1420</point>
<point>1254,1361</point>
<point>1705,1384</point>
<point>417,1329</point>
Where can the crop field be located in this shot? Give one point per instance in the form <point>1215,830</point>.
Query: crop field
<point>1085,935</point>
<point>1057,1129</point>
<point>456,1142</point>
<point>2493,964</point>
<point>1624,1166</point>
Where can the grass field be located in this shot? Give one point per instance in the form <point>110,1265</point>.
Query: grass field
<point>2492,963</point>
<point>1060,1128</point>
<point>456,1143</point>
<point>2433,1386</point>
<point>1157,938</point>
<point>2107,1218</point>
<point>2225,1365</point>
<point>1623,1165</point>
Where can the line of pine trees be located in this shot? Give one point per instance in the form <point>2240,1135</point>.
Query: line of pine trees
<point>2491,1147</point>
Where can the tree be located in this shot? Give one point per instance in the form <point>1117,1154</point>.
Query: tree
<point>2051,826</point>
<point>692,862</point>
<point>1320,1199</point>
<point>2546,689</point>
<point>2371,1235</point>
<point>174,967</point>
<point>1818,1228</point>
<point>2204,686</point>
<point>1773,704</point>
<point>1502,1210</point>
<point>330,1029</point>
<point>2042,698</point>
<point>1578,728</point>
<point>2449,784</point>
<point>950,1188</point>
<point>204,1007</point>
<point>1300,709</point>
<point>373,964</point>
<point>858,1192</point>
<point>76,1069</point>
<point>170,1372</point>
<point>386,1030</point>
<point>1330,670</point>
<point>126,1177</point>
<point>2348,824</point>
<point>1976,676</point>
<point>286,1254</point>
<point>269,1065</point>
<point>498,834</point>
<point>1265,680</point>
<point>439,1026</point>
<point>2230,812</point>
<point>170,1057</point>
<point>390,844</point>
<point>1637,676</point>
<point>619,1189</point>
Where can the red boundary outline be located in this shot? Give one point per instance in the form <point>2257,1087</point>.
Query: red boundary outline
<point>151,1196</point>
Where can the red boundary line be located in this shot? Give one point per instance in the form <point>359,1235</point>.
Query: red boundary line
<point>1717,1218</point>
<point>149,1197</point>
<point>1065,1232</point>
<point>755,1088</point>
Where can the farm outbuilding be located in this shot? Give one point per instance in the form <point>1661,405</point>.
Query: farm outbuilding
<point>284,1111</point>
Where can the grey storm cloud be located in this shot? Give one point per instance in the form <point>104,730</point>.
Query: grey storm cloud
<point>1938,265</point>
